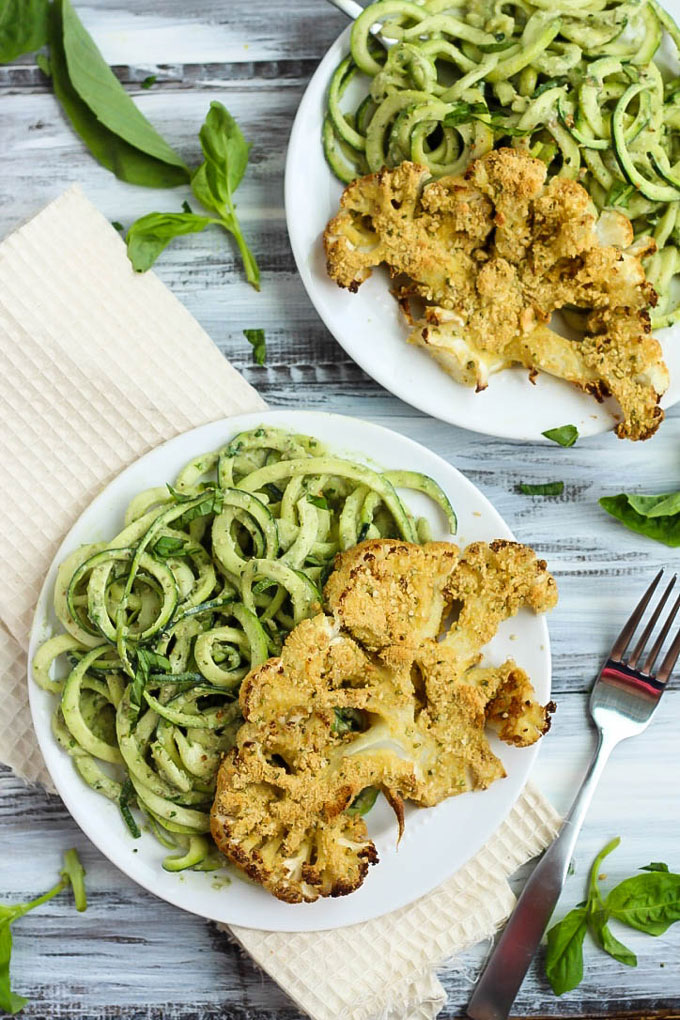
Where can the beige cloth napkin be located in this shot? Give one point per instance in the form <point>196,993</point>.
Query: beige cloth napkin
<point>99,365</point>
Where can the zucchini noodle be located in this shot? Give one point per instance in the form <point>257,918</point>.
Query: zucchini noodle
<point>203,583</point>
<point>574,84</point>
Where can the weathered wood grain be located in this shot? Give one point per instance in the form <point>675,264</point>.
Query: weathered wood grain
<point>131,955</point>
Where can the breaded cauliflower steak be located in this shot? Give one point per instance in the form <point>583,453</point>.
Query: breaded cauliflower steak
<point>400,652</point>
<point>494,254</point>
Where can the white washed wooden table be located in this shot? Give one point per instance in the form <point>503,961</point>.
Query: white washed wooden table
<point>131,955</point>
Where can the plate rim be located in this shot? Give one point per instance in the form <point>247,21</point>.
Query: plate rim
<point>51,751</point>
<point>321,77</point>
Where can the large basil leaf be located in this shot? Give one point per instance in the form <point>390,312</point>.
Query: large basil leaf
<point>649,902</point>
<point>664,529</point>
<point>564,955</point>
<point>98,87</point>
<point>149,235</point>
<point>23,27</point>
<point>113,152</point>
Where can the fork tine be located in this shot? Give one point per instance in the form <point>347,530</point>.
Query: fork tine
<point>621,643</point>
<point>647,632</point>
<point>648,666</point>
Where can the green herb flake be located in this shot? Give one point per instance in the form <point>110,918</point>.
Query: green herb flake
<point>127,794</point>
<point>257,339</point>
<point>150,80</point>
<point>565,435</point>
<point>318,501</point>
<point>118,226</point>
<point>544,489</point>
<point>655,866</point>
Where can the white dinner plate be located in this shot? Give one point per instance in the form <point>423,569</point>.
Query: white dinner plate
<point>372,330</point>
<point>437,841</point>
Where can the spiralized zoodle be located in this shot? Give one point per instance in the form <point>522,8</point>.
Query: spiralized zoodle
<point>574,83</point>
<point>203,583</point>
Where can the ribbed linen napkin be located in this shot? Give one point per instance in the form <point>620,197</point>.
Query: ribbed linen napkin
<point>100,365</point>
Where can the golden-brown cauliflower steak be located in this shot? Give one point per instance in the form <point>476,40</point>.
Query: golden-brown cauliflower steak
<point>417,699</point>
<point>493,254</point>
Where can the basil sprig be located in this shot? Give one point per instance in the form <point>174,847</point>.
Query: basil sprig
<point>213,183</point>
<point>72,874</point>
<point>649,902</point>
<point>121,138</point>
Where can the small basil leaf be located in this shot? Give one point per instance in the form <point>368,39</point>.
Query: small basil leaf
<point>167,545</point>
<point>660,529</point>
<point>564,955</point>
<point>117,226</point>
<point>318,501</point>
<point>186,207</point>
<point>546,489</point>
<point>225,150</point>
<point>655,866</point>
<point>200,188</point>
<point>257,339</point>
<point>117,155</point>
<point>126,795</point>
<point>602,934</point>
<point>151,234</point>
<point>565,435</point>
<point>98,87</point>
<point>150,80</point>
<point>364,801</point>
<point>23,27</point>
<point>649,902</point>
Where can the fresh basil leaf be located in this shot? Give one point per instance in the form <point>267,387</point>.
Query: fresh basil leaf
<point>318,501</point>
<point>660,529</point>
<point>117,226</point>
<point>10,1002</point>
<point>98,87</point>
<point>180,497</point>
<point>23,27</point>
<point>364,801</point>
<point>545,489</point>
<point>151,234</point>
<point>127,794</point>
<point>655,866</point>
<point>124,160</point>
<point>168,546</point>
<point>257,339</point>
<point>649,902</point>
<point>602,934</point>
<point>618,194</point>
<point>43,63</point>
<point>150,80</point>
<point>150,660</point>
<point>460,112</point>
<point>74,872</point>
<point>564,955</point>
<point>200,188</point>
<point>225,150</point>
<point>565,435</point>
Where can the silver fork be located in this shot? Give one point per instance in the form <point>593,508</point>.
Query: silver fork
<point>352,9</point>
<point>622,704</point>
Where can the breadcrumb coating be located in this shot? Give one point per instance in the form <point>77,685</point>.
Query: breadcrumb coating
<point>493,254</point>
<point>383,690</point>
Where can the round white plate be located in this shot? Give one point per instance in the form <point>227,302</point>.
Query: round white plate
<point>437,840</point>
<point>372,330</point>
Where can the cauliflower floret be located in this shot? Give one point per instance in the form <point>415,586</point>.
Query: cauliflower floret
<point>494,254</point>
<point>384,692</point>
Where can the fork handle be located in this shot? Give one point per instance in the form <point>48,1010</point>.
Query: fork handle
<point>504,973</point>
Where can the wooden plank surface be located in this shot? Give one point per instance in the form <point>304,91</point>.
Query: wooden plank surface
<point>131,955</point>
